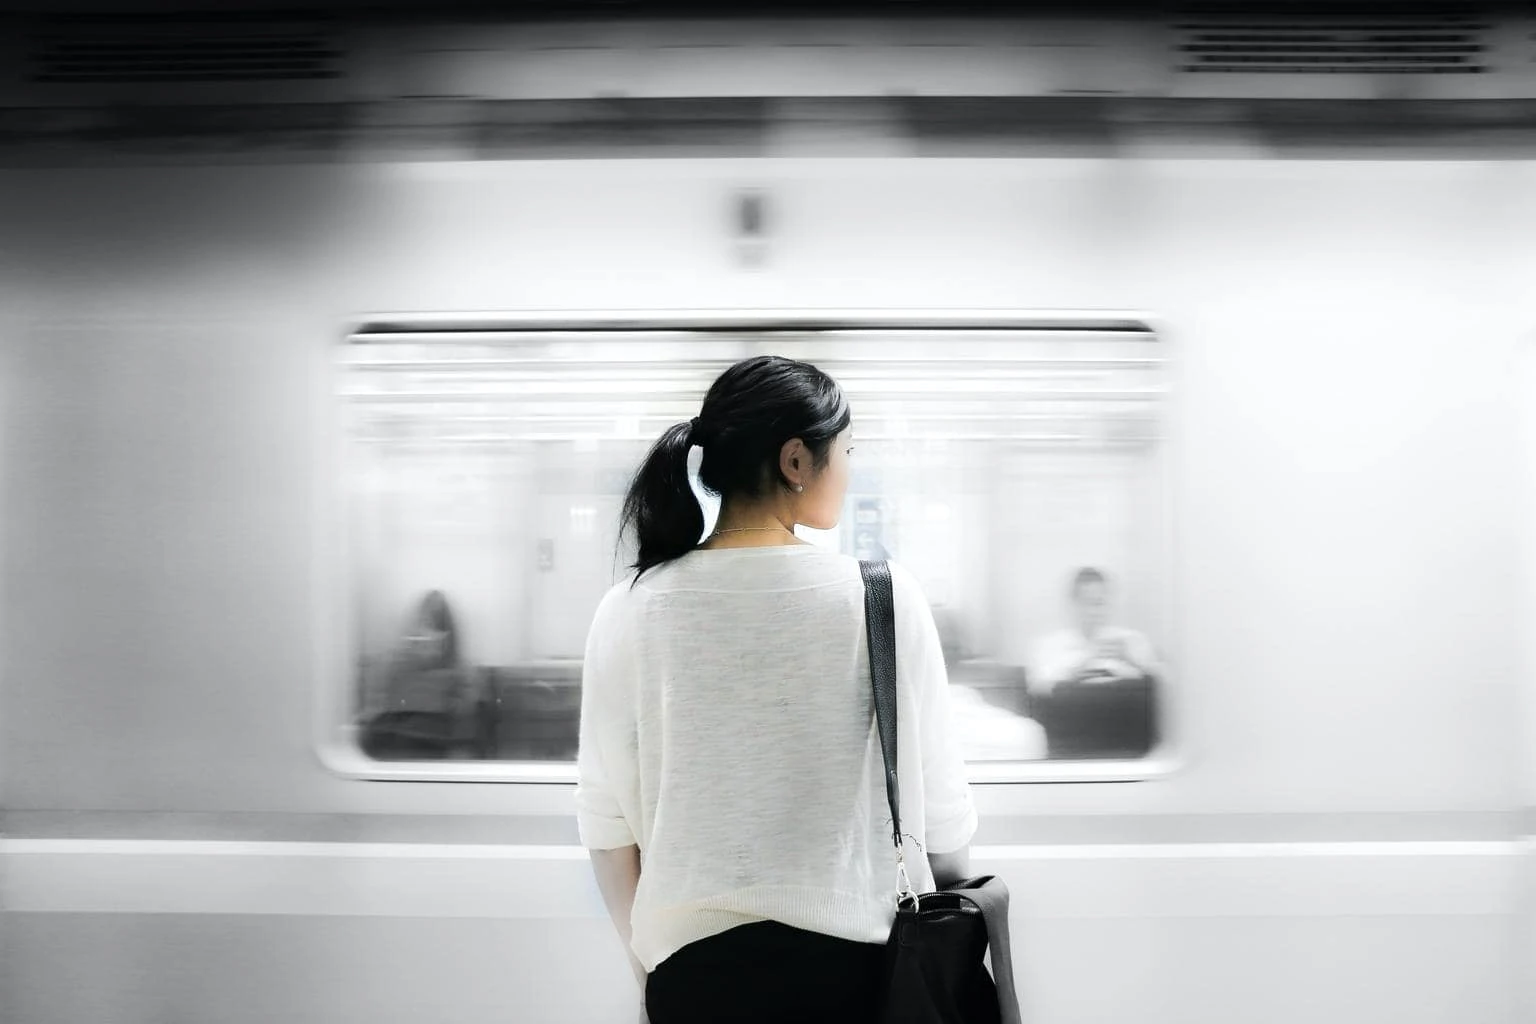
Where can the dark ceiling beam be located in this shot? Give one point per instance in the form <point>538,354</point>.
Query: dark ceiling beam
<point>749,125</point>
<point>716,9</point>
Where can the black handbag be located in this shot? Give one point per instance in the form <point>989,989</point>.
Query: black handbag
<point>935,959</point>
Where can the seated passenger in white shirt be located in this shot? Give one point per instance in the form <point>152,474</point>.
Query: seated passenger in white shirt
<point>1091,650</point>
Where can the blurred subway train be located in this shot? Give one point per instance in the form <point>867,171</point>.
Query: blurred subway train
<point>328,344</point>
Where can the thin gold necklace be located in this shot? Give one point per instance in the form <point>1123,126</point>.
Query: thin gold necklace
<point>753,529</point>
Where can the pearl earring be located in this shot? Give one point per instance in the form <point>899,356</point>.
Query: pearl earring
<point>798,488</point>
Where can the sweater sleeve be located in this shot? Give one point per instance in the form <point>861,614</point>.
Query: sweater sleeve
<point>947,805</point>
<point>605,768</point>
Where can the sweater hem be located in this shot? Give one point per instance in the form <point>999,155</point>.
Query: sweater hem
<point>856,917</point>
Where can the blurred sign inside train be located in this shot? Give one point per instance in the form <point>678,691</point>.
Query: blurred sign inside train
<point>1016,467</point>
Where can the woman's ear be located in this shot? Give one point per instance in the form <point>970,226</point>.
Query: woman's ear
<point>793,461</point>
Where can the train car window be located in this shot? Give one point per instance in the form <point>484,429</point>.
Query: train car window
<point>1017,467</point>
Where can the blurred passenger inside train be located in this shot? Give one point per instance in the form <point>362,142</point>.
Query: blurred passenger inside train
<point>1091,650</point>
<point>727,724</point>
<point>423,712</point>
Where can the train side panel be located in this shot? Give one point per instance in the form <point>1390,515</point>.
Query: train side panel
<point>1349,656</point>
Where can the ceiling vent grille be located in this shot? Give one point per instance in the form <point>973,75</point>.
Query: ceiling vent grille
<point>142,49</point>
<point>1428,44</point>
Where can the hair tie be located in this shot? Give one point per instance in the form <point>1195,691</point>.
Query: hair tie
<point>693,431</point>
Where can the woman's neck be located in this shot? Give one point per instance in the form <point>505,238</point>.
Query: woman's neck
<point>752,526</point>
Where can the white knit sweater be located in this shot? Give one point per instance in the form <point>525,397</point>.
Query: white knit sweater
<point>727,728</point>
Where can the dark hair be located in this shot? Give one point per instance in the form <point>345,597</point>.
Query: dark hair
<point>1086,576</point>
<point>749,413</point>
<point>433,613</point>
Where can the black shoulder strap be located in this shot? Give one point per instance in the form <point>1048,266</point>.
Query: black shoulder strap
<point>880,627</point>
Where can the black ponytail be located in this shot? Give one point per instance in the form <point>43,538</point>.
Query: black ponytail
<point>661,508</point>
<point>751,410</point>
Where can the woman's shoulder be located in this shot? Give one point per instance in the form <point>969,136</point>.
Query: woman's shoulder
<point>618,601</point>
<point>905,585</point>
<point>902,578</point>
<point>914,612</point>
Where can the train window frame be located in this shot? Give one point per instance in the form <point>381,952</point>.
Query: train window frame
<point>334,737</point>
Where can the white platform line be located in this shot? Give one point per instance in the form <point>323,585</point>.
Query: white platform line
<point>468,851</point>
<point>259,848</point>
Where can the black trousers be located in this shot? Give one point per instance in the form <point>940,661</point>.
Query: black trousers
<point>767,971</point>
